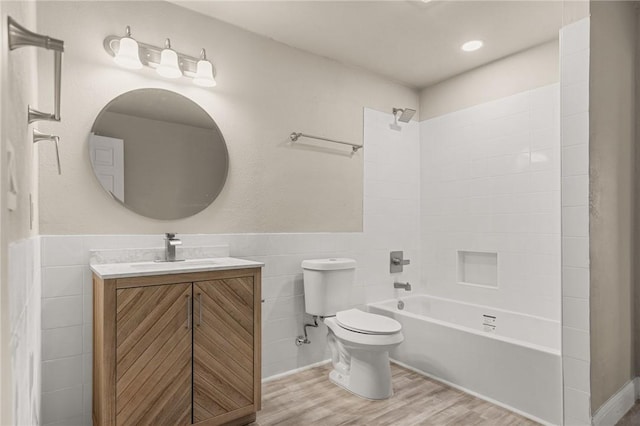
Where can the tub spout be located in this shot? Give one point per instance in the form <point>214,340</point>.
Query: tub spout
<point>406,286</point>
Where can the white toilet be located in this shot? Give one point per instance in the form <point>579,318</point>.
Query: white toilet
<point>359,341</point>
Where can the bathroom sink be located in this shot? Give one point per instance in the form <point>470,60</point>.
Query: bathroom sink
<point>138,269</point>
<point>160,264</point>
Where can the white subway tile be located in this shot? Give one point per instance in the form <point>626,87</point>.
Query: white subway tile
<point>575,160</point>
<point>87,338</point>
<point>575,67</point>
<point>575,221</point>
<point>574,37</point>
<point>87,397</point>
<point>74,421</point>
<point>575,344</point>
<point>61,342</point>
<point>575,252</point>
<point>288,307</point>
<point>282,286</point>
<point>87,368</point>
<point>87,308</point>
<point>575,282</point>
<point>575,129</point>
<point>544,138</point>
<point>281,349</point>
<point>62,281</point>
<point>575,313</point>
<point>61,404</point>
<point>575,98</point>
<point>575,190</point>
<point>61,373</point>
<point>282,328</point>
<point>577,374</point>
<point>62,251</point>
<point>61,312</point>
<point>577,407</point>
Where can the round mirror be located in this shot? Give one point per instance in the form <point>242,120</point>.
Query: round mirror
<point>158,153</point>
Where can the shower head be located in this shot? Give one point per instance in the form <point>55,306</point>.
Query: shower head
<point>405,114</point>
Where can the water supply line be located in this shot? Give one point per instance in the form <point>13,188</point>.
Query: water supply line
<point>300,340</point>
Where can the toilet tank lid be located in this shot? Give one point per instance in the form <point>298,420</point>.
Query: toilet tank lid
<point>331,264</point>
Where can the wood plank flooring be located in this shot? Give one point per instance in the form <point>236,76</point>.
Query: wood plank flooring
<point>309,398</point>
<point>632,418</point>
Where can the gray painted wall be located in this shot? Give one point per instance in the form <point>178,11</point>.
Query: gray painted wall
<point>526,70</point>
<point>612,191</point>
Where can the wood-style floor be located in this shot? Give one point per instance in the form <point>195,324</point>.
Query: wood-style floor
<point>309,398</point>
<point>632,418</point>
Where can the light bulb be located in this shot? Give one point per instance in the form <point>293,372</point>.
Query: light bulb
<point>204,72</point>
<point>168,66</point>
<point>127,55</point>
<point>472,45</point>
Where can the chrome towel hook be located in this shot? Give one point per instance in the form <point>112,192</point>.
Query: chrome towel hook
<point>19,36</point>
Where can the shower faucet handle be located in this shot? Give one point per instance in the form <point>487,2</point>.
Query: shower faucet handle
<point>397,261</point>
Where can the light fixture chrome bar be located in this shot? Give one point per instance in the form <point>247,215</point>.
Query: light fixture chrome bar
<point>150,55</point>
<point>19,36</point>
<point>296,135</point>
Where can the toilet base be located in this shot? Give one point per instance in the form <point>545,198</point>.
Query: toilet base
<point>369,375</point>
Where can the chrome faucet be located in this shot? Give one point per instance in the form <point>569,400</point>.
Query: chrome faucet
<point>171,242</point>
<point>406,286</point>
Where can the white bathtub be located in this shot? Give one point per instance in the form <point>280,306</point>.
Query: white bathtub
<point>516,365</point>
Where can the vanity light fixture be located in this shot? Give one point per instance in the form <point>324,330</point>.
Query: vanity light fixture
<point>168,66</point>
<point>472,45</point>
<point>128,56</point>
<point>204,72</point>
<point>167,62</point>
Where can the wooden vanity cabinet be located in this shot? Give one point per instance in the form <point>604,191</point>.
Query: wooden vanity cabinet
<point>177,349</point>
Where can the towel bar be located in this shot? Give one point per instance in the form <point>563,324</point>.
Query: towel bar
<point>19,36</point>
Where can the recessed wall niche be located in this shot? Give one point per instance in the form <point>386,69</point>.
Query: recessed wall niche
<point>478,268</point>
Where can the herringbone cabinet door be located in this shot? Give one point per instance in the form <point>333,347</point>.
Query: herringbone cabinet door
<point>153,355</point>
<point>223,345</point>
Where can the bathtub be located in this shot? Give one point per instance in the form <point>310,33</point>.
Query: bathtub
<point>504,357</point>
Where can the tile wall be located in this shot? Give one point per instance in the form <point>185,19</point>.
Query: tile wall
<point>24,320</point>
<point>574,80</point>
<point>391,191</point>
<point>491,183</point>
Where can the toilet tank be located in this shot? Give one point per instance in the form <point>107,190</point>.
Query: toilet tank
<point>327,285</point>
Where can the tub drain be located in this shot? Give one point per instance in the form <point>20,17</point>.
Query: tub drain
<point>400,305</point>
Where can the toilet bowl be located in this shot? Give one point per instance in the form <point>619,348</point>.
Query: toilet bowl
<point>359,341</point>
<point>360,344</point>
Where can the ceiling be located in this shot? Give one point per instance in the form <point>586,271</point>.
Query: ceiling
<point>415,43</point>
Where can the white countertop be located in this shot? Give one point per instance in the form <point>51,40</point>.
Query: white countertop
<point>141,269</point>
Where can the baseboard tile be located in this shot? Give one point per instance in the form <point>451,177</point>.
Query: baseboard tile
<point>294,371</point>
<point>617,406</point>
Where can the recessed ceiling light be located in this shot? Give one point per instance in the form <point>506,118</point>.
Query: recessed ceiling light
<point>472,45</point>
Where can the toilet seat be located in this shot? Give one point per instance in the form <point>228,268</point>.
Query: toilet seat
<point>367,323</point>
<point>374,342</point>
